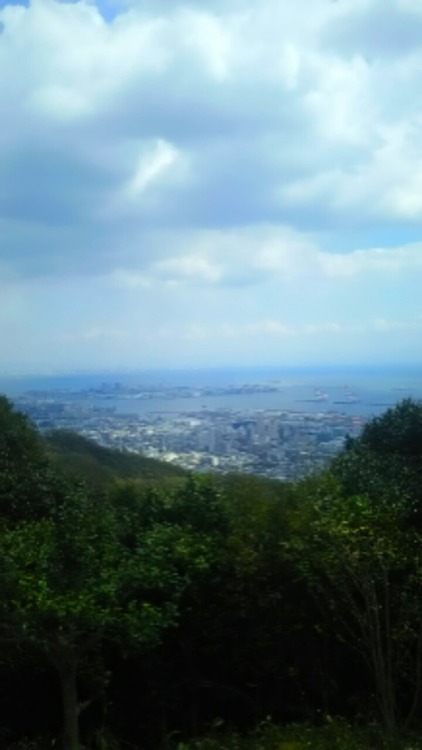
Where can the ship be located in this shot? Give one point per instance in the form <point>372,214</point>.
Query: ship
<point>318,397</point>
<point>349,397</point>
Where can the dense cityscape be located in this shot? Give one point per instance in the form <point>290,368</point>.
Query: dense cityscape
<point>277,443</point>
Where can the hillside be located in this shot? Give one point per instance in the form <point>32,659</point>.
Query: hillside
<point>84,459</point>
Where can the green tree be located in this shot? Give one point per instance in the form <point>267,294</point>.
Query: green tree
<point>363,561</point>
<point>385,462</point>
<point>26,483</point>
<point>69,582</point>
<point>78,568</point>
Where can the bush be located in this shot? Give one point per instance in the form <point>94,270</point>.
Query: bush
<point>332,734</point>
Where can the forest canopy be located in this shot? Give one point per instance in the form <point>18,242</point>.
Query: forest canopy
<point>144,604</point>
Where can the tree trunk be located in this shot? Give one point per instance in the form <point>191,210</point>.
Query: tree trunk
<point>67,673</point>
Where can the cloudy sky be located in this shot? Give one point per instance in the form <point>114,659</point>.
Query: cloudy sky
<point>210,182</point>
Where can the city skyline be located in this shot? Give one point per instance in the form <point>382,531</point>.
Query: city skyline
<point>226,184</point>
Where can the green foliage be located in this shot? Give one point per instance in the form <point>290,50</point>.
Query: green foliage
<point>71,587</point>
<point>385,463</point>
<point>363,560</point>
<point>25,480</point>
<point>18,438</point>
<point>170,600</point>
<point>82,458</point>
<point>397,432</point>
<point>81,569</point>
<point>330,734</point>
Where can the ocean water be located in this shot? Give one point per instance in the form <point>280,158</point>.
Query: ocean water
<point>374,389</point>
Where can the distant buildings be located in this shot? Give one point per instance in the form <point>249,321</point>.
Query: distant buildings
<point>281,444</point>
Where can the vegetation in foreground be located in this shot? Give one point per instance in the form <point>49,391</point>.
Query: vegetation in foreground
<point>134,611</point>
<point>331,734</point>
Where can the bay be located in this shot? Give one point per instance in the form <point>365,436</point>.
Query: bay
<point>355,390</point>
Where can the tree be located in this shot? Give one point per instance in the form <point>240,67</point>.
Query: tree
<point>26,483</point>
<point>172,670</point>
<point>380,483</point>
<point>78,569</point>
<point>385,462</point>
<point>269,605</point>
<point>69,582</point>
<point>363,560</point>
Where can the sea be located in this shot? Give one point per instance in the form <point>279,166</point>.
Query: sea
<point>360,391</point>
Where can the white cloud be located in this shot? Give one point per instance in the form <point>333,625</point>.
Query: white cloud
<point>406,260</point>
<point>252,164</point>
<point>341,101</point>
<point>252,257</point>
<point>269,327</point>
<point>210,41</point>
<point>188,267</point>
<point>94,333</point>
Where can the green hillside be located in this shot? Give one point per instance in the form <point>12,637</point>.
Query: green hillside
<point>84,459</point>
<point>188,612</point>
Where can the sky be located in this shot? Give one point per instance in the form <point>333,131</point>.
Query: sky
<point>210,183</point>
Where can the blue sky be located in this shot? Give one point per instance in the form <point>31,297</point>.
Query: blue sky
<point>210,183</point>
